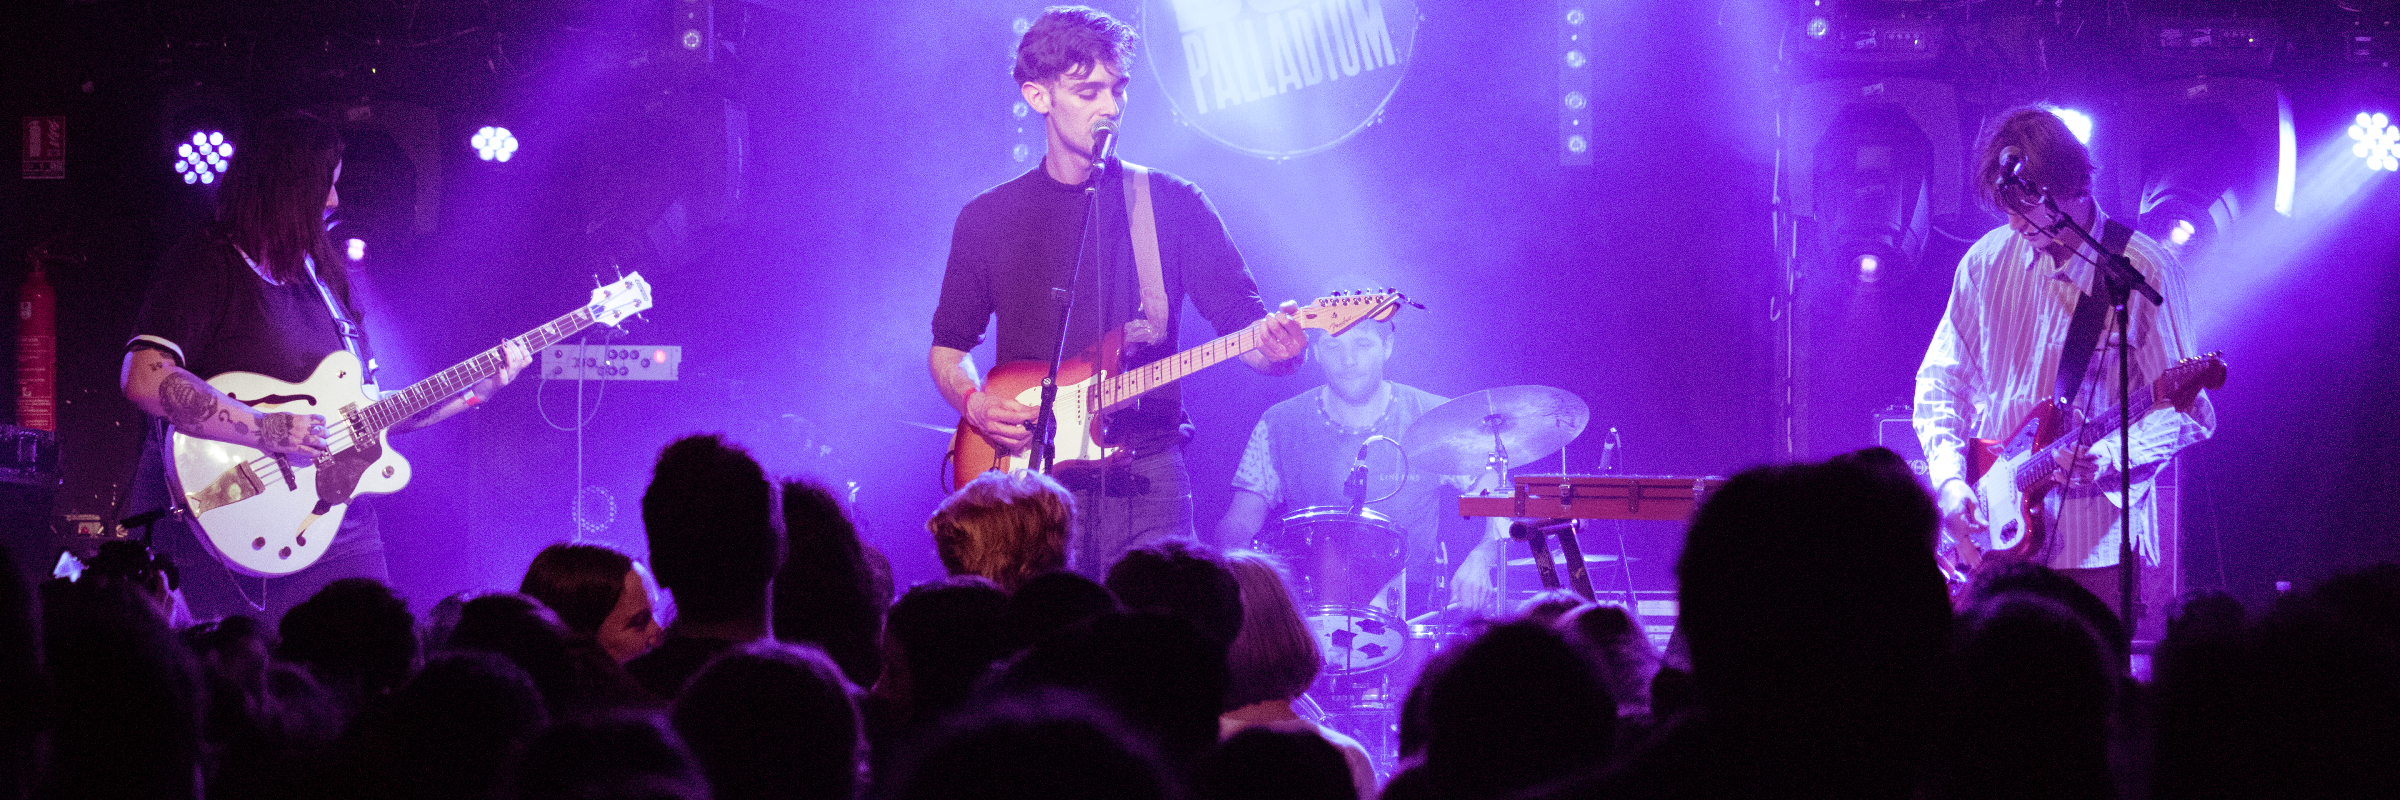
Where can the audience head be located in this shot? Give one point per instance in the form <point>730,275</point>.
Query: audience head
<point>1548,606</point>
<point>1185,578</point>
<point>619,755</point>
<point>826,595</point>
<point>1048,604</point>
<point>772,720</point>
<point>459,726</point>
<point>1274,657</point>
<point>598,592</point>
<point>943,637</point>
<point>1810,589</point>
<point>1048,746</point>
<point>711,528</point>
<point>520,629</point>
<point>1006,526</point>
<point>1262,761</point>
<point>1161,675</point>
<point>1515,706</point>
<point>126,712</point>
<point>2034,579</point>
<point>2035,685</point>
<point>1616,641</point>
<point>354,634</point>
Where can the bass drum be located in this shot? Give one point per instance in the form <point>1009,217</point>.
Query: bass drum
<point>1356,640</point>
<point>1337,558</point>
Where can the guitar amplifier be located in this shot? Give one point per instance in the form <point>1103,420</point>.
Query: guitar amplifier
<point>2160,585</point>
<point>1894,430</point>
<point>29,478</point>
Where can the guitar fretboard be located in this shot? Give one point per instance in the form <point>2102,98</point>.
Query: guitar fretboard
<point>2097,426</point>
<point>1125,386</point>
<point>401,405</point>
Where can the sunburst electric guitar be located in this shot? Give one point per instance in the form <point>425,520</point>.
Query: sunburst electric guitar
<point>271,515</point>
<point>2014,477</point>
<point>1090,386</point>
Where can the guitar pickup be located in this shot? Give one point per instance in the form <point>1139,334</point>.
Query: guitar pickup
<point>234,486</point>
<point>284,465</point>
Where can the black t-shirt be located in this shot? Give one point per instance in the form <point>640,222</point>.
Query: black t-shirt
<point>219,316</point>
<point>1016,242</point>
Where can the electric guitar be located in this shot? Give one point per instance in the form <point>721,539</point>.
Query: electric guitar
<point>1090,386</point>
<point>2014,477</point>
<point>272,515</point>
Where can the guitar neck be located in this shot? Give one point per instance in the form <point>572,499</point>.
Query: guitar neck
<point>1123,387</point>
<point>401,405</point>
<point>2095,427</point>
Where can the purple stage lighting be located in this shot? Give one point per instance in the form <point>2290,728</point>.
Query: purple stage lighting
<point>358,249</point>
<point>2078,123</point>
<point>2378,141</point>
<point>494,143</point>
<point>203,158</point>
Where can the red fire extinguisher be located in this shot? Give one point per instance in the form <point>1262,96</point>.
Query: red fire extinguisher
<point>37,353</point>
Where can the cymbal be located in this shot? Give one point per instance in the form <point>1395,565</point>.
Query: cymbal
<point>1456,438</point>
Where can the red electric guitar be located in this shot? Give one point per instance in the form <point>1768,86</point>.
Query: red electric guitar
<point>2014,477</point>
<point>1090,385</point>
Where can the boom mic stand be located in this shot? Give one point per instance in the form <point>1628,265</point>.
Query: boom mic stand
<point>2117,276</point>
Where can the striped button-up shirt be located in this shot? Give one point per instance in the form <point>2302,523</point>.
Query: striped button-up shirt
<point>1995,357</point>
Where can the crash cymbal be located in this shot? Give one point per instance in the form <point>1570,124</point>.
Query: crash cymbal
<point>1457,437</point>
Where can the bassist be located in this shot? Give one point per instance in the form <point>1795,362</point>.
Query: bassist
<point>1997,353</point>
<point>257,293</point>
<point>1017,242</point>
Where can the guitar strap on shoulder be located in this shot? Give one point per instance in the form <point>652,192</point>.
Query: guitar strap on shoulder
<point>353,337</point>
<point>1143,220</point>
<point>2091,313</point>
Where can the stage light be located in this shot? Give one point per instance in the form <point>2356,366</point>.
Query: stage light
<point>358,249</point>
<point>203,158</point>
<point>1870,268</point>
<point>2378,141</point>
<point>1872,170</point>
<point>2078,123</point>
<point>1574,85</point>
<point>494,143</point>
<point>2181,233</point>
<point>1818,27</point>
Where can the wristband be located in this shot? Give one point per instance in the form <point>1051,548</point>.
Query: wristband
<point>472,400</point>
<point>968,401</point>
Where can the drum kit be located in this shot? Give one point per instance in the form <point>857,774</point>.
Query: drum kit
<point>1347,554</point>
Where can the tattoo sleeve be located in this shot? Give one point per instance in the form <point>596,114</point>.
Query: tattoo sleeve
<point>276,430</point>
<point>186,400</point>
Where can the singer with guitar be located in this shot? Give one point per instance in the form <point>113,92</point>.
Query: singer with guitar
<point>2005,346</point>
<point>1014,255</point>
<point>261,291</point>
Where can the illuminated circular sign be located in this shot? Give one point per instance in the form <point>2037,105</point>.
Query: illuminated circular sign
<point>1279,78</point>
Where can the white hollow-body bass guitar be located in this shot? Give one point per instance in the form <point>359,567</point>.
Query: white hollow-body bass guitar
<point>271,515</point>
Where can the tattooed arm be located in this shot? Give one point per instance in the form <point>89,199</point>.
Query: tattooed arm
<point>154,382</point>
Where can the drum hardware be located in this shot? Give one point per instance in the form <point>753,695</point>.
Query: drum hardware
<point>1338,558</point>
<point>1356,639</point>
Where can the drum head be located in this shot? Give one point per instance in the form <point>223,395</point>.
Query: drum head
<point>1337,558</point>
<point>1356,639</point>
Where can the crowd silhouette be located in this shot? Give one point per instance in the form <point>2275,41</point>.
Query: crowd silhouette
<point>1817,654</point>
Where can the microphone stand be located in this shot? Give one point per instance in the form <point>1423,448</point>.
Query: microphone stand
<point>1044,448</point>
<point>2117,276</point>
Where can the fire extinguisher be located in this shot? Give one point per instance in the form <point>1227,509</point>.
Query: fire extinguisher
<point>37,352</point>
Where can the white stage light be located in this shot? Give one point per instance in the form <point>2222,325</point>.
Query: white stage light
<point>494,143</point>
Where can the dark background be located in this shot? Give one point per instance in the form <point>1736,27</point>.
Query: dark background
<point>800,284</point>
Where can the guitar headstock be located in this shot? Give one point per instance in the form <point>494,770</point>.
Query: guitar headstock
<point>2181,383</point>
<point>612,303</point>
<point>1335,313</point>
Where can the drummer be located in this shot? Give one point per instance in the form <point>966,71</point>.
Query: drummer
<point>1303,451</point>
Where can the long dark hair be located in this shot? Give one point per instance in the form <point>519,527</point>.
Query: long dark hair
<point>272,203</point>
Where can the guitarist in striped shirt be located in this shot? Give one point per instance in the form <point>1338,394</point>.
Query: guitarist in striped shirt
<point>1998,351</point>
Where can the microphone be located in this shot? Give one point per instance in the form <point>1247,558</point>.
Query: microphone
<point>1104,144</point>
<point>2012,169</point>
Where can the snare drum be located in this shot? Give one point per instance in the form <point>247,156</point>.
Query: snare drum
<point>1338,558</point>
<point>1356,639</point>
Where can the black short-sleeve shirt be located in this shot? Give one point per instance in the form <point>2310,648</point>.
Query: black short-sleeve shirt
<point>217,315</point>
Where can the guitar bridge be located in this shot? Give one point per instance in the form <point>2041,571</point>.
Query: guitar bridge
<point>234,486</point>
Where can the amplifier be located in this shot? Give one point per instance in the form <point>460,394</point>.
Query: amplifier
<point>29,478</point>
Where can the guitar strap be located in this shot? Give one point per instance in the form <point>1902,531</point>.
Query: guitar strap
<point>2091,314</point>
<point>1143,220</point>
